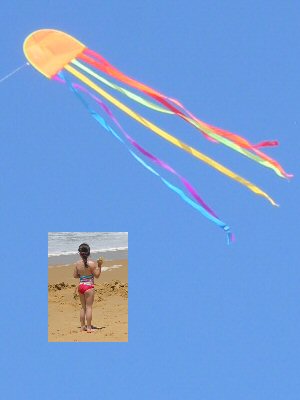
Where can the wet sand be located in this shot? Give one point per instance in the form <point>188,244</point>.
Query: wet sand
<point>110,309</point>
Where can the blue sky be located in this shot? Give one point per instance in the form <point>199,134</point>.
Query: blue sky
<point>206,321</point>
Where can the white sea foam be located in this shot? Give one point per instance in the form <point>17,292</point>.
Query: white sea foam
<point>66,243</point>
<point>103,269</point>
<point>70,253</point>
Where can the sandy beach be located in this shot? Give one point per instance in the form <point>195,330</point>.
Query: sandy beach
<point>110,309</point>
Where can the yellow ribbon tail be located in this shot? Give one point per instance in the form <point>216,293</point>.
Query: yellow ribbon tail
<point>175,141</point>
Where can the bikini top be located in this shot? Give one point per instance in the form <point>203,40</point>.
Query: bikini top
<point>87,278</point>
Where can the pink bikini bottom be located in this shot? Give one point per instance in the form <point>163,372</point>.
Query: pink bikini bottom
<point>82,288</point>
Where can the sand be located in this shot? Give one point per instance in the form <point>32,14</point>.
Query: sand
<point>110,309</point>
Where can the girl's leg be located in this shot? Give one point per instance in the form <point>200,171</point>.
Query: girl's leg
<point>89,299</point>
<point>82,311</point>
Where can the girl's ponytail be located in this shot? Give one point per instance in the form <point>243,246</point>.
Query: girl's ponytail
<point>84,251</point>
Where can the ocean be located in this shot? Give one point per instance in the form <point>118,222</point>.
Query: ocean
<point>63,246</point>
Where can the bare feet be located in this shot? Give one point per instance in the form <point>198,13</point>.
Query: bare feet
<point>83,328</point>
<point>89,329</point>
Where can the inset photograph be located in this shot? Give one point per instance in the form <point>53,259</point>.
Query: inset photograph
<point>88,286</point>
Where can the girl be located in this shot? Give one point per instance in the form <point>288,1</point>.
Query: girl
<point>86,270</point>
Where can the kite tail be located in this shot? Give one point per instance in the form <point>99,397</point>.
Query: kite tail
<point>209,131</point>
<point>160,132</point>
<point>204,128</point>
<point>126,92</point>
<point>199,204</point>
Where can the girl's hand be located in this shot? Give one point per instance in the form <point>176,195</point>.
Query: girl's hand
<point>100,261</point>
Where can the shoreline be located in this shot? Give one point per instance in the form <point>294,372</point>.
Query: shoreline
<point>110,308</point>
<point>67,259</point>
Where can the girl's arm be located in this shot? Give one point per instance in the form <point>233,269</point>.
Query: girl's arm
<point>75,272</point>
<point>97,270</point>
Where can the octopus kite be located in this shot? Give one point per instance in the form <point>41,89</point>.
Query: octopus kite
<point>60,57</point>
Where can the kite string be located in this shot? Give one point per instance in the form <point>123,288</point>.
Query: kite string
<point>14,72</point>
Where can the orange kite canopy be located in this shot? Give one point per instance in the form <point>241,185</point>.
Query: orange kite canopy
<point>49,50</point>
